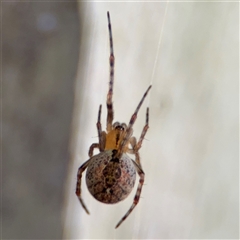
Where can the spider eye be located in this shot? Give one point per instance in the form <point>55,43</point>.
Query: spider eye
<point>119,127</point>
<point>124,126</point>
<point>116,124</point>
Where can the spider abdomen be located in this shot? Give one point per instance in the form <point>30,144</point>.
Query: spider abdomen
<point>110,180</point>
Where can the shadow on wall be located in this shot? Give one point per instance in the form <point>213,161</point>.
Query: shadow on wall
<point>40,55</point>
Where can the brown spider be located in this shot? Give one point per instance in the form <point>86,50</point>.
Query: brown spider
<point>111,174</point>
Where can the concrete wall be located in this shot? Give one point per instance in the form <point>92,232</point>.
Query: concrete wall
<point>190,157</point>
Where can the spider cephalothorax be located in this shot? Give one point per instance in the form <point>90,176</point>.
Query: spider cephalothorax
<point>111,174</point>
<point>114,136</point>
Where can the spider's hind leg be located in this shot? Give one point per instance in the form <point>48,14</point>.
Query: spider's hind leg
<point>78,187</point>
<point>137,195</point>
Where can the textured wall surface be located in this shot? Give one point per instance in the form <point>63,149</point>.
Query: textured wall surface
<point>39,62</point>
<point>190,157</point>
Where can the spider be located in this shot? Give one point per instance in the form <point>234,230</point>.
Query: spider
<point>111,174</point>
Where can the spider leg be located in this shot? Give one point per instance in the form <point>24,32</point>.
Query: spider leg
<point>78,187</point>
<point>144,131</point>
<point>101,134</point>
<point>137,145</point>
<point>134,151</point>
<point>91,149</point>
<point>138,193</point>
<point>110,90</point>
<point>128,132</point>
<point>133,143</point>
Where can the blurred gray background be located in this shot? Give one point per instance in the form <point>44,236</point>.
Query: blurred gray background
<point>54,76</point>
<point>40,43</point>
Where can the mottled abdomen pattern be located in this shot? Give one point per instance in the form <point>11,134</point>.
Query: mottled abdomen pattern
<point>109,179</point>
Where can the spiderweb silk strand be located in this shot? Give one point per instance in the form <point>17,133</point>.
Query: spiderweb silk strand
<point>158,47</point>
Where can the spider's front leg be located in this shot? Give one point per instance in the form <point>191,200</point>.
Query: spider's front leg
<point>79,180</point>
<point>110,90</point>
<point>127,135</point>
<point>101,134</point>
<point>138,193</point>
<point>144,131</point>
